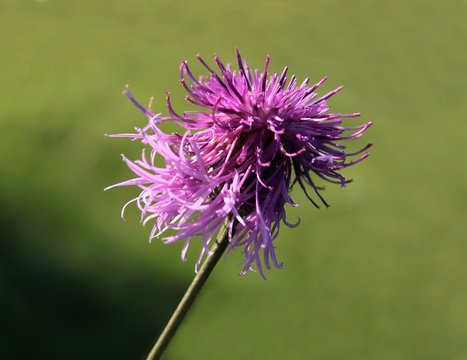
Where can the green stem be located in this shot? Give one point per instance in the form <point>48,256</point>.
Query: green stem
<point>191,293</point>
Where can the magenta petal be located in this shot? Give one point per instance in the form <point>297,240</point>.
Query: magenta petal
<point>238,158</point>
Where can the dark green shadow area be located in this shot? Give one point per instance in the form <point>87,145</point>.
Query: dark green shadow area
<point>99,310</point>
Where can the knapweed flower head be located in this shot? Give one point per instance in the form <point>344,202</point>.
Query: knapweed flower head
<point>256,135</point>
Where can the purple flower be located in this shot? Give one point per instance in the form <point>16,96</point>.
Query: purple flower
<point>238,157</point>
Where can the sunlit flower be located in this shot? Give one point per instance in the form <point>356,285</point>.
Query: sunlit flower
<point>256,135</point>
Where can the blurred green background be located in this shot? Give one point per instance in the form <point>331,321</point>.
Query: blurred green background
<point>381,274</point>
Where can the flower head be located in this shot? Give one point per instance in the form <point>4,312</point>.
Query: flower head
<point>256,135</point>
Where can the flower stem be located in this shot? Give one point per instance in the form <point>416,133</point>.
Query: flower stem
<point>191,293</point>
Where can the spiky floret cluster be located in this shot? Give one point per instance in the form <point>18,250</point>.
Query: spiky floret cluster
<point>256,136</point>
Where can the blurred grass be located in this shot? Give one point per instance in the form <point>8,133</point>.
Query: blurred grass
<point>379,275</point>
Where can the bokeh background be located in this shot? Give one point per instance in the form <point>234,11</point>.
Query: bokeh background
<point>381,274</point>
